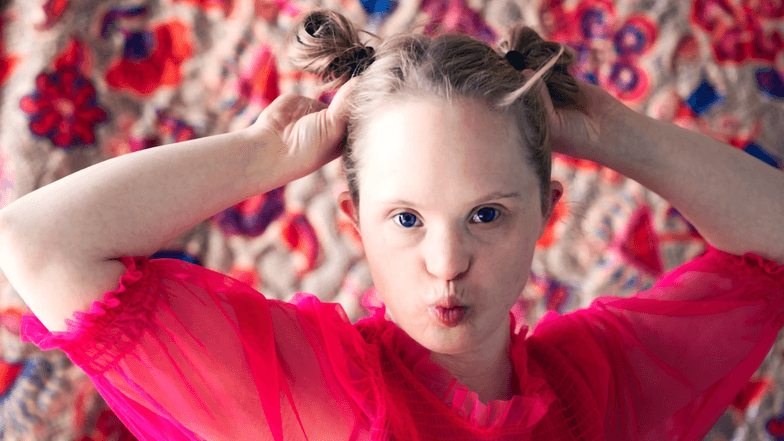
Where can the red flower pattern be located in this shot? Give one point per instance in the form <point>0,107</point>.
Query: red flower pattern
<point>749,31</point>
<point>53,9</point>
<point>258,81</point>
<point>63,106</point>
<point>271,10</point>
<point>298,233</point>
<point>588,28</point>
<point>226,5</point>
<point>7,62</point>
<point>151,59</point>
<point>456,16</point>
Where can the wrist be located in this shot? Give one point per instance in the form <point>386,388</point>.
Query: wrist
<point>625,136</point>
<point>263,154</point>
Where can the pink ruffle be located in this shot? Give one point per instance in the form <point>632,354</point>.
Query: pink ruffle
<point>345,350</point>
<point>85,328</point>
<point>762,279</point>
<point>748,266</point>
<point>522,411</point>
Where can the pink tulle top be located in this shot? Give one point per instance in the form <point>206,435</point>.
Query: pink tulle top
<point>181,352</point>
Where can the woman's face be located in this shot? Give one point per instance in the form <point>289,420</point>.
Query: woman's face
<point>449,207</point>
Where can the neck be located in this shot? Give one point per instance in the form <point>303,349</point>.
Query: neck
<point>488,370</point>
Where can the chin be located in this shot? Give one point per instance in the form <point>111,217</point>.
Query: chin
<point>447,342</point>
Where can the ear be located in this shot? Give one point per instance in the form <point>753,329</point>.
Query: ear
<point>346,205</point>
<point>555,193</point>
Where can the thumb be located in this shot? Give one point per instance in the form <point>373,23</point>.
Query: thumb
<point>339,107</point>
<point>543,92</point>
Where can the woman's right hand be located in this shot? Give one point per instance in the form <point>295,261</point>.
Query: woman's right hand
<point>306,133</point>
<point>592,123</point>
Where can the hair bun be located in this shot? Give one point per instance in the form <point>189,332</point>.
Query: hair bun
<point>536,52</point>
<point>326,43</point>
<point>314,23</point>
<point>352,62</point>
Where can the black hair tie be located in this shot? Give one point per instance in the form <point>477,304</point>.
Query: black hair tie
<point>352,62</point>
<point>314,23</point>
<point>516,59</point>
<point>357,65</point>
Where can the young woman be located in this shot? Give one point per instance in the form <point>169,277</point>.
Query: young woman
<point>447,158</point>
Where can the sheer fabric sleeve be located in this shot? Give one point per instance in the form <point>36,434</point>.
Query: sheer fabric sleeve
<point>668,361</point>
<point>180,352</point>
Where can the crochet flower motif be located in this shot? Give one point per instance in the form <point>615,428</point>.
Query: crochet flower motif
<point>593,26</point>
<point>173,129</point>
<point>151,59</point>
<point>270,10</point>
<point>252,216</point>
<point>108,422</point>
<point>746,31</point>
<point>7,62</point>
<point>226,5</point>
<point>550,236</point>
<point>168,130</point>
<point>53,10</point>
<point>771,82</point>
<point>298,234</point>
<point>258,80</point>
<point>456,16</point>
<point>63,106</point>
<point>254,82</point>
<point>7,179</point>
<point>741,31</point>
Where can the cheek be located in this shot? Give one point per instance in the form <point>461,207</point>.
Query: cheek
<point>386,263</point>
<point>381,257</point>
<point>394,278</point>
<point>510,264</point>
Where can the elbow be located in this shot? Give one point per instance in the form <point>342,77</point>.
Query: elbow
<point>5,236</point>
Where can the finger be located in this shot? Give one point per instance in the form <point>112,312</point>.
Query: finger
<point>339,107</point>
<point>294,107</point>
<point>543,92</point>
<point>333,119</point>
<point>590,95</point>
<point>309,105</point>
<point>546,99</point>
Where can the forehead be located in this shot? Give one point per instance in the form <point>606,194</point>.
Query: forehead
<point>429,147</point>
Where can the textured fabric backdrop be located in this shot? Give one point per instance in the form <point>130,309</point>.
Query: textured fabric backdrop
<point>84,81</point>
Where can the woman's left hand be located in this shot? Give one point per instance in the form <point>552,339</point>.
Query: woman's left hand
<point>590,124</point>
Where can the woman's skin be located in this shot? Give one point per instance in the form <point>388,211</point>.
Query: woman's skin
<point>734,200</point>
<point>442,159</point>
<point>454,241</point>
<point>117,208</point>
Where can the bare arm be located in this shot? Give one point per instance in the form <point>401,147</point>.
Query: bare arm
<point>134,204</point>
<point>60,243</point>
<point>734,200</point>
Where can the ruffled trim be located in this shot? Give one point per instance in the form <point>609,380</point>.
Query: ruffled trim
<point>762,279</point>
<point>84,341</point>
<point>522,411</point>
<point>748,266</point>
<point>349,356</point>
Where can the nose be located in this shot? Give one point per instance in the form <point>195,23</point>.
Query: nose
<point>446,255</point>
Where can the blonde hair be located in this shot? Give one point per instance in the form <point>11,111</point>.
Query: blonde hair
<point>448,66</point>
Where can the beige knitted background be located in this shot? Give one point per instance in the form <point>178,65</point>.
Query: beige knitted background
<point>713,66</point>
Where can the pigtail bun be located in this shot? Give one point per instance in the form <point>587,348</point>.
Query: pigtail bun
<point>536,53</point>
<point>327,43</point>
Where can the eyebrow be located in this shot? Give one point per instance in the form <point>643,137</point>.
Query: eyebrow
<point>489,197</point>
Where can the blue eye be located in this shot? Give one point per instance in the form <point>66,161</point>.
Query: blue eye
<point>408,219</point>
<point>483,214</point>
